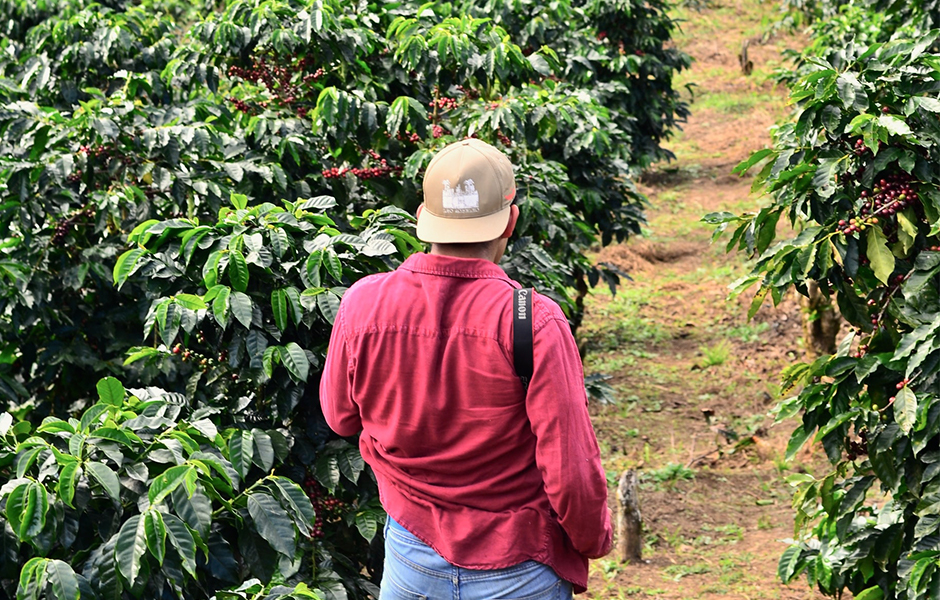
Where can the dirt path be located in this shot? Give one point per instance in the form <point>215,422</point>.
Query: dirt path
<point>715,505</point>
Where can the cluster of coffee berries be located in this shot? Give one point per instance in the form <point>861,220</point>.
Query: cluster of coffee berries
<point>503,138</point>
<point>333,506</point>
<point>241,105</point>
<point>203,362</point>
<point>890,195</point>
<point>375,172</point>
<point>902,384</point>
<point>105,153</point>
<point>278,79</point>
<point>852,225</point>
<point>857,449</point>
<point>862,350</point>
<point>437,131</point>
<point>313,492</point>
<point>69,223</point>
<point>414,138</point>
<point>334,172</point>
<point>860,147</point>
<point>310,77</point>
<point>383,170</point>
<point>471,94</point>
<point>75,177</point>
<point>443,103</point>
<point>97,151</point>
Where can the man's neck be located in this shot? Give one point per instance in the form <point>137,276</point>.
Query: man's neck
<point>481,251</point>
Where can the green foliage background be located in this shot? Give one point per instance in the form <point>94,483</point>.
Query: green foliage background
<point>186,190</point>
<point>854,171</point>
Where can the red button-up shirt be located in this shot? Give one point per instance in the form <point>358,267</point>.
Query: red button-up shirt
<point>487,474</point>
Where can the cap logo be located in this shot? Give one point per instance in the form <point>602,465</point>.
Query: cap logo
<point>464,199</point>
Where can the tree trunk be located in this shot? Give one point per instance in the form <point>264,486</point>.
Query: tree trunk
<point>629,522</point>
<point>820,322</point>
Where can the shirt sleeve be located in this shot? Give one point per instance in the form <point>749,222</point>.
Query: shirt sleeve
<point>339,408</point>
<point>566,448</point>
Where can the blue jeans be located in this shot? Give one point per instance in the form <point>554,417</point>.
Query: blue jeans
<point>414,571</point>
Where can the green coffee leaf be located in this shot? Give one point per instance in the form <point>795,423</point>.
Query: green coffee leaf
<point>155,534</point>
<point>786,568</point>
<point>220,305</point>
<point>905,409</point>
<point>111,391</point>
<point>238,271</point>
<point>26,510</point>
<point>182,540</point>
<point>881,258</point>
<point>62,580</point>
<point>279,306</point>
<point>367,522</point>
<point>295,359</point>
<point>164,484</point>
<point>190,301</point>
<point>106,478</point>
<point>131,547</point>
<point>241,308</point>
<point>68,478</point>
<point>872,593</point>
<point>241,450</point>
<point>272,523</point>
<point>263,455</point>
<point>126,265</point>
<point>295,501</point>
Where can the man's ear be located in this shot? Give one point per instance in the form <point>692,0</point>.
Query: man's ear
<point>513,217</point>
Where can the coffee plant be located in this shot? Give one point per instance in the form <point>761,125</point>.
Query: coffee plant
<point>186,189</point>
<point>144,495</point>
<point>855,173</point>
<point>894,18</point>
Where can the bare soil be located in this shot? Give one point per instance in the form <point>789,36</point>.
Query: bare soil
<point>677,350</point>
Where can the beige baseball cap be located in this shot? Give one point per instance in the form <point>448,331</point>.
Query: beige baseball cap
<point>468,189</point>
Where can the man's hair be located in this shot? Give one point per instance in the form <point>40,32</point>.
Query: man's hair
<point>467,246</point>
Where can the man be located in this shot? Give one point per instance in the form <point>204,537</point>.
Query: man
<point>492,490</point>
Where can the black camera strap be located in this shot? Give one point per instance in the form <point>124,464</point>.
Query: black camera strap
<point>522,334</point>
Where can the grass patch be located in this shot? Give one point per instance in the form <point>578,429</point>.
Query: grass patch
<point>618,322</point>
<point>713,356</point>
<point>733,103</point>
<point>677,572</point>
<point>670,474</point>
<point>748,333</point>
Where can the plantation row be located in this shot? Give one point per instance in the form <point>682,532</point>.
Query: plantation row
<point>187,189</point>
<point>855,171</point>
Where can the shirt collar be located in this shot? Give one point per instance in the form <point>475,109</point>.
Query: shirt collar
<point>450,266</point>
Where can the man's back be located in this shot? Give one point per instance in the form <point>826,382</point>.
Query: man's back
<point>479,469</point>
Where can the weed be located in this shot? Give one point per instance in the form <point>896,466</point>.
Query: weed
<point>613,477</point>
<point>611,568</point>
<point>672,472</point>
<point>618,321</point>
<point>608,362</point>
<point>731,531</point>
<point>677,572</point>
<point>747,333</point>
<point>781,463</point>
<point>764,522</point>
<point>715,355</point>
